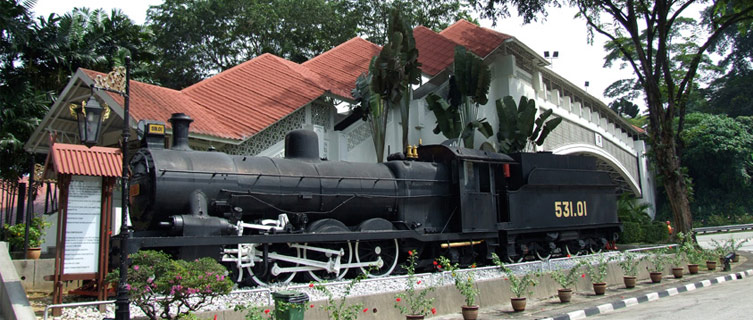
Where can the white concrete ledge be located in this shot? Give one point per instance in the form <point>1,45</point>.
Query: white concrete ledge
<point>13,302</point>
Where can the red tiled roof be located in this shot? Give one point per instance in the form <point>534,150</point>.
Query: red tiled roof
<point>80,160</point>
<point>242,101</point>
<point>480,40</point>
<point>341,66</point>
<point>159,103</point>
<point>255,94</point>
<point>435,52</point>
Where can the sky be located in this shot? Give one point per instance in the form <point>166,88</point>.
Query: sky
<point>578,61</point>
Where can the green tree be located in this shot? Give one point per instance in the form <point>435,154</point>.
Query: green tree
<point>642,32</point>
<point>721,188</point>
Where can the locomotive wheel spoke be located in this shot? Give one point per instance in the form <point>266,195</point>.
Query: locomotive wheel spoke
<point>569,252</point>
<point>543,254</point>
<point>265,279</point>
<point>321,275</point>
<point>368,251</point>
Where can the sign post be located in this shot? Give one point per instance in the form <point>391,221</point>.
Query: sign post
<point>85,216</point>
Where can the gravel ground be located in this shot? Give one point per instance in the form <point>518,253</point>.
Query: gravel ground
<point>259,297</point>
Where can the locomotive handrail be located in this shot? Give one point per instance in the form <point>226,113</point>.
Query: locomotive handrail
<point>301,176</point>
<point>736,227</point>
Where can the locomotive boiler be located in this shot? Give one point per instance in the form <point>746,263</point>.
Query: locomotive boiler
<point>272,219</point>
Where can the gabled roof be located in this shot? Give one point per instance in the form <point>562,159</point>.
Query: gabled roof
<point>481,41</point>
<point>435,52</point>
<point>79,160</point>
<point>255,94</point>
<point>341,66</point>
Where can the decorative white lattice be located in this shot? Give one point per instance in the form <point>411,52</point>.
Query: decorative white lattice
<point>269,136</point>
<point>359,134</point>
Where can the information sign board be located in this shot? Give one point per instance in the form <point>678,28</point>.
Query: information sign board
<point>83,225</point>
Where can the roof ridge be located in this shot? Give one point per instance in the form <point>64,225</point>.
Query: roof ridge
<point>330,51</point>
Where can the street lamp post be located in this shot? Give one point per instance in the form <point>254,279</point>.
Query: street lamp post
<point>89,116</point>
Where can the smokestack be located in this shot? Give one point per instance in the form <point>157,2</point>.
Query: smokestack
<point>302,144</point>
<point>180,123</point>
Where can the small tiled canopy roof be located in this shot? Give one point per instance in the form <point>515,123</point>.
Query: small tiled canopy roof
<point>82,161</point>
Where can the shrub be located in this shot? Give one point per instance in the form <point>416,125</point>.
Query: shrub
<point>415,302</point>
<point>15,234</point>
<point>336,308</point>
<point>518,284</point>
<point>182,285</point>
<point>596,268</point>
<point>656,232</point>
<point>464,282</point>
<point>632,232</point>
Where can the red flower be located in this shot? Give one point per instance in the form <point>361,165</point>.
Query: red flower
<point>410,252</point>
<point>439,266</point>
<point>398,299</point>
<point>568,256</point>
<point>266,311</point>
<point>418,282</point>
<point>311,306</point>
<point>435,263</point>
<point>507,279</point>
<point>583,275</point>
<point>473,266</point>
<point>365,309</point>
<point>311,285</point>
<point>433,310</point>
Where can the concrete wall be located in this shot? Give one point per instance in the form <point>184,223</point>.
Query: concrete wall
<point>448,300</point>
<point>32,273</point>
<point>13,302</point>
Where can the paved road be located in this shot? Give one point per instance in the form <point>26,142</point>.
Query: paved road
<point>705,239</point>
<point>728,300</point>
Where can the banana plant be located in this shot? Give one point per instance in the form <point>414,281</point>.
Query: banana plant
<point>387,84</point>
<point>517,128</point>
<point>457,116</point>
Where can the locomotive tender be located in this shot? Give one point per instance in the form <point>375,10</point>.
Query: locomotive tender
<point>273,218</point>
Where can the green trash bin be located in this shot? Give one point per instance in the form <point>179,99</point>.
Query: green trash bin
<point>290,305</point>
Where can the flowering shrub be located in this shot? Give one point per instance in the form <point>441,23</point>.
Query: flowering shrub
<point>464,282</point>
<point>565,280</point>
<point>596,268</point>
<point>412,301</point>
<point>260,313</point>
<point>15,234</point>
<point>518,284</point>
<point>657,260</point>
<point>629,263</point>
<point>168,289</point>
<point>337,309</point>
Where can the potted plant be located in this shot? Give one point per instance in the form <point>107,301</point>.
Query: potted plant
<point>676,262</point>
<point>735,245</point>
<point>629,265</point>
<point>596,269</point>
<point>519,285</point>
<point>565,280</point>
<point>692,252</point>
<point>656,262</point>
<point>15,236</point>
<point>414,304</point>
<point>710,256</point>
<point>464,282</point>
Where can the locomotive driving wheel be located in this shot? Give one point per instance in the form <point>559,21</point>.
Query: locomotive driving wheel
<point>327,257</point>
<point>369,251</point>
<point>266,277</point>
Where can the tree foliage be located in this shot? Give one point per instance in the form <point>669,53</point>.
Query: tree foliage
<point>719,158</point>
<point>37,58</point>
<point>643,33</point>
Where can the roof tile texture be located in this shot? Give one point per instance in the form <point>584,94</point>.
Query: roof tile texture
<point>83,161</point>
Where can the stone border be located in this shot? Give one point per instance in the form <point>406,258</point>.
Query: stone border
<point>624,303</point>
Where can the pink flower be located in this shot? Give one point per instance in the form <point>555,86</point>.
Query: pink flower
<point>136,267</point>
<point>128,287</point>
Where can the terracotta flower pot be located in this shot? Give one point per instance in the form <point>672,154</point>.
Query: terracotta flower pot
<point>33,253</point>
<point>414,317</point>
<point>736,258</point>
<point>518,304</point>
<point>655,277</point>
<point>711,265</point>
<point>629,282</point>
<point>600,288</point>
<point>693,268</point>
<point>677,272</point>
<point>565,295</point>
<point>470,312</point>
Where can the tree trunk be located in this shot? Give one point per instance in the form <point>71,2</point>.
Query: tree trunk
<point>674,182</point>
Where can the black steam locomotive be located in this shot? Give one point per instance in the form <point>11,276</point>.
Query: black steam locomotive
<point>271,219</point>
